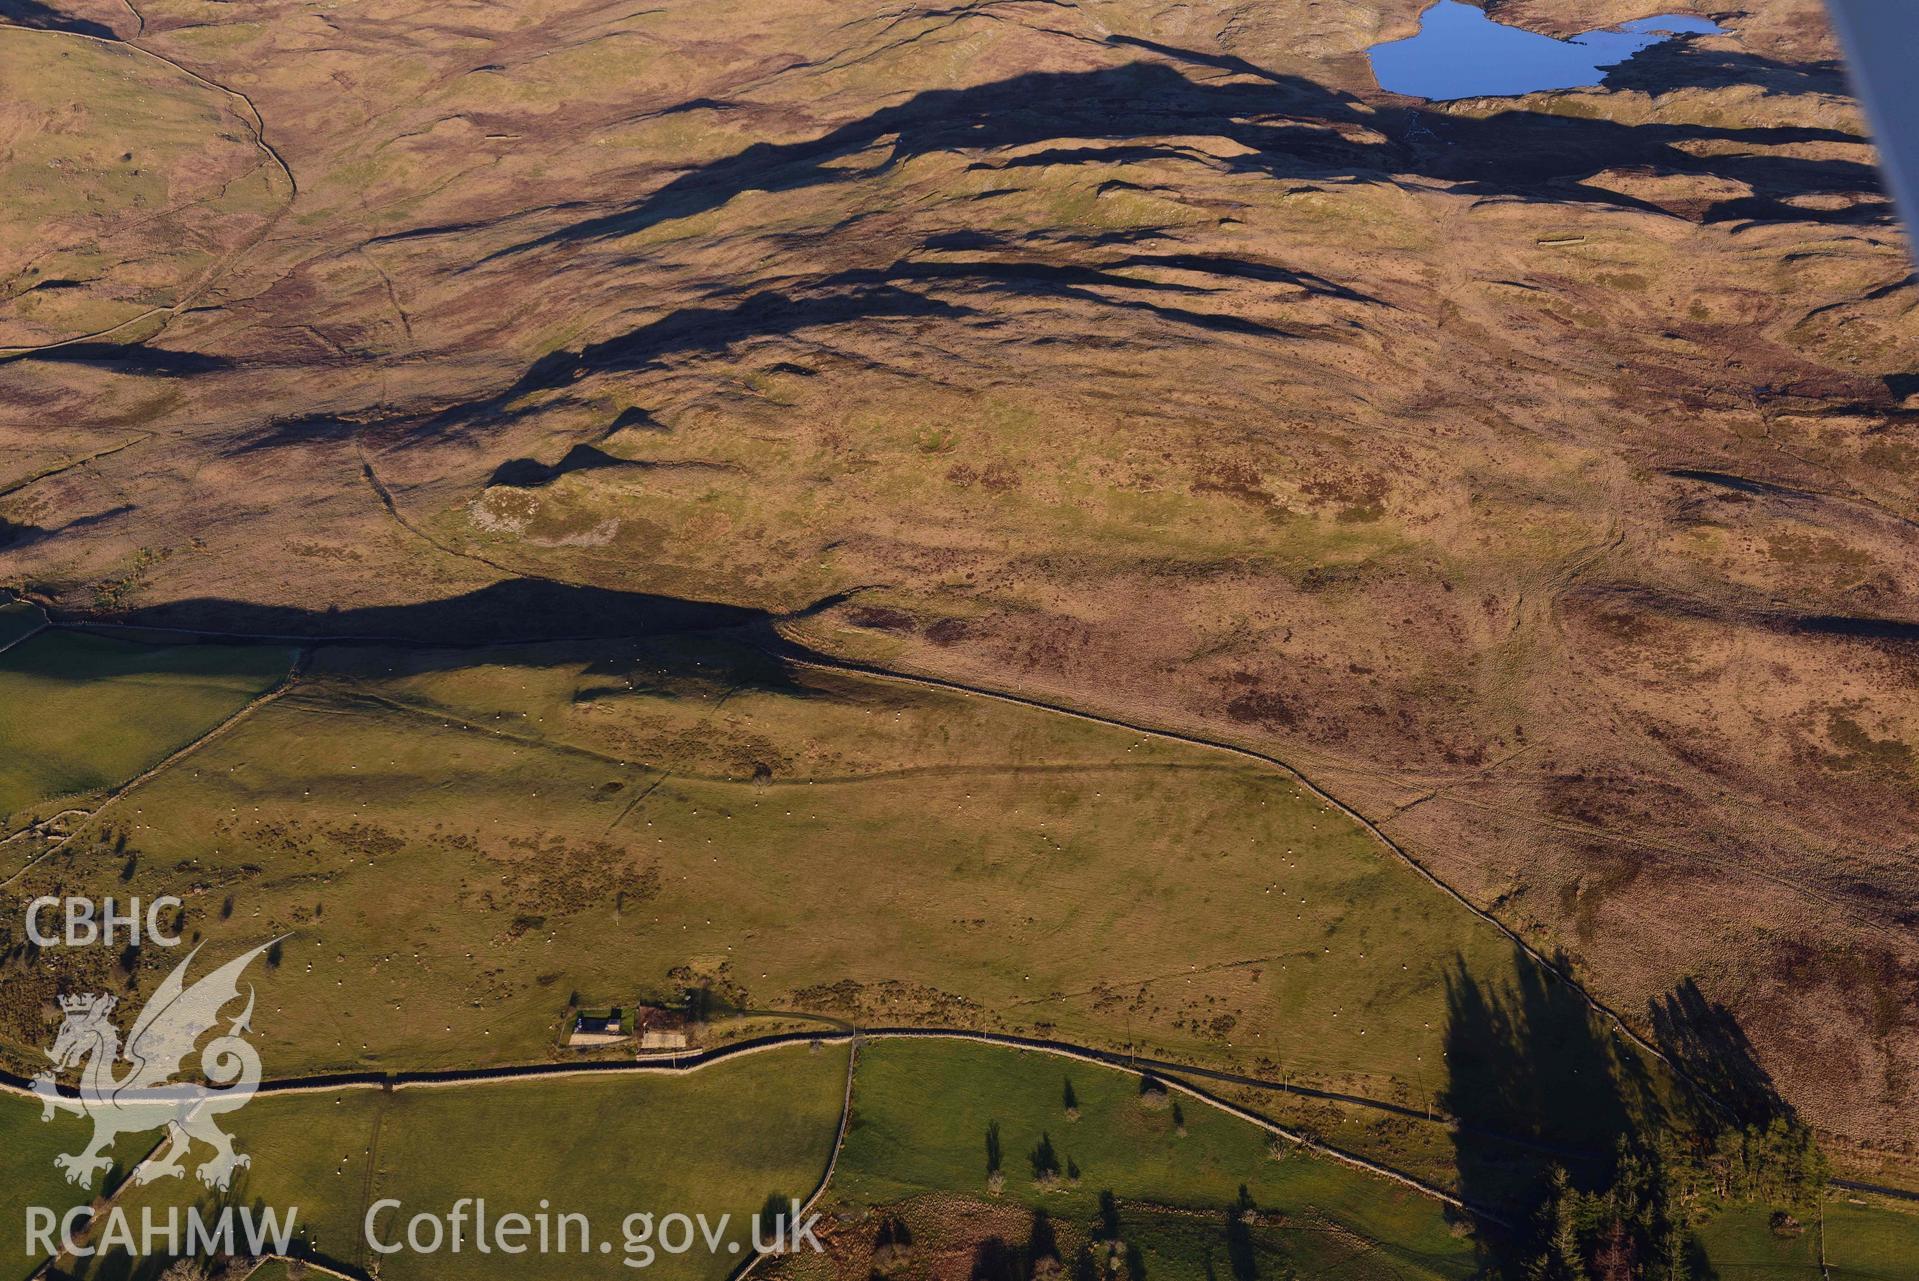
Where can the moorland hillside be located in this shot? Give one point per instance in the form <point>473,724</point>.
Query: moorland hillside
<point>1535,474</point>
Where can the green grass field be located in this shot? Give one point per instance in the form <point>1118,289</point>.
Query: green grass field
<point>462,845</point>
<point>922,1109</point>
<point>1871,1242</point>
<point>310,1156</point>
<point>718,1141</point>
<point>470,842</point>
<point>1740,1243</point>
<point>28,1177</point>
<point>917,1141</point>
<point>83,713</point>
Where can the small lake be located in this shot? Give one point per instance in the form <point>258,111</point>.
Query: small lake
<point>1461,53</point>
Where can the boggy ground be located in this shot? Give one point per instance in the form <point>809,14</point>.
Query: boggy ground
<point>1533,473</point>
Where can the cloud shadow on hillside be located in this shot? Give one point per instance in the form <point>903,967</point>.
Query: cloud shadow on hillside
<point>513,611</point>
<point>706,329</point>
<point>131,358</point>
<point>1284,126</point>
<point>1687,64</point>
<point>15,536</point>
<point>44,17</point>
<point>1289,126</point>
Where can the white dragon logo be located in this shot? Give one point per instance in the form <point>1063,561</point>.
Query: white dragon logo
<point>145,1097</point>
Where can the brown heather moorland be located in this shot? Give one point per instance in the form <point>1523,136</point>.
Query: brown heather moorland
<point>1535,474</point>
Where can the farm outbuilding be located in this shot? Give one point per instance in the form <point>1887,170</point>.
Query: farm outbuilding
<point>598,1029</point>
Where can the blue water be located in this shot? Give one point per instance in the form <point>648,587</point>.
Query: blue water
<point>1675,24</point>
<point>1461,53</point>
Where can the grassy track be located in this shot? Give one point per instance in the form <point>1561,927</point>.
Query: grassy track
<point>143,230</point>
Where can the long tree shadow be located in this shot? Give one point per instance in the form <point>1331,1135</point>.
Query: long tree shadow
<point>1623,1160</point>
<point>1527,1058</point>
<point>1706,1042</point>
